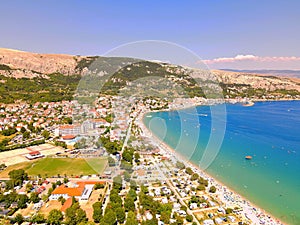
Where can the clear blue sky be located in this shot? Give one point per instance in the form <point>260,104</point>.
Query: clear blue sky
<point>211,28</point>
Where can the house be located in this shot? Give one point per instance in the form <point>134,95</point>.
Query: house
<point>4,212</point>
<point>79,190</point>
<point>212,204</point>
<point>218,220</point>
<point>34,155</point>
<point>208,222</point>
<point>193,206</point>
<point>70,129</point>
<point>231,219</point>
<point>182,213</point>
<point>164,200</point>
<point>176,206</point>
<point>221,210</point>
<point>148,215</point>
<point>100,122</point>
<point>157,192</point>
<point>38,205</point>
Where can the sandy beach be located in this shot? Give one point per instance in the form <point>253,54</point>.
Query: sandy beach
<point>227,196</point>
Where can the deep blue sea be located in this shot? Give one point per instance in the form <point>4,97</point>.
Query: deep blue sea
<point>267,131</point>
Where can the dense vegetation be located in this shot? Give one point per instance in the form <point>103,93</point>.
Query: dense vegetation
<point>57,88</point>
<point>4,67</point>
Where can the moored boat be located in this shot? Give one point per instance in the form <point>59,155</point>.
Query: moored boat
<point>248,103</point>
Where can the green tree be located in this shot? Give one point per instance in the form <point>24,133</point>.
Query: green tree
<point>137,157</point>
<point>26,135</point>
<point>23,199</point>
<point>9,131</point>
<point>165,217</point>
<point>189,171</point>
<point>109,218</point>
<point>212,189</point>
<point>228,210</point>
<point>117,182</point>
<point>131,219</point>
<point>115,198</point>
<point>46,134</point>
<point>127,176</point>
<point>17,176</point>
<point>132,194</point>
<point>99,186</point>
<point>150,222</point>
<point>23,130</point>
<point>97,212</point>
<point>62,200</point>
<point>75,215</point>
<point>120,213</point>
<point>126,166</point>
<point>38,218</point>
<point>66,180</point>
<point>19,219</point>
<point>194,176</point>
<point>189,218</point>
<point>81,216</point>
<point>34,197</point>
<point>111,161</point>
<point>133,185</point>
<point>127,155</point>
<point>55,217</point>
<point>201,187</point>
<point>203,181</point>
<point>129,204</point>
<point>29,187</point>
<point>180,165</point>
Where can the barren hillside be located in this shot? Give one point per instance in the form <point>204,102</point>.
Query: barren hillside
<point>26,64</point>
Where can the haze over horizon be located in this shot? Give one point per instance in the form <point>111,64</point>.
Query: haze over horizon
<point>235,35</point>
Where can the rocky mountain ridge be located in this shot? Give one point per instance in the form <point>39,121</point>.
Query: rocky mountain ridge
<point>20,64</point>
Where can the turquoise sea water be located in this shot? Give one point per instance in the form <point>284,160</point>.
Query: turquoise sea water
<point>268,131</point>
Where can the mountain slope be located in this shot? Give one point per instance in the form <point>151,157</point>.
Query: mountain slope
<point>53,77</point>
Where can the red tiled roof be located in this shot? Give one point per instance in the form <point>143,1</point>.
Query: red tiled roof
<point>91,182</point>
<point>99,120</point>
<point>66,205</point>
<point>77,191</point>
<point>68,126</point>
<point>34,153</point>
<point>68,137</point>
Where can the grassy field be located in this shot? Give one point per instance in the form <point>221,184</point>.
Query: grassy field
<point>54,166</point>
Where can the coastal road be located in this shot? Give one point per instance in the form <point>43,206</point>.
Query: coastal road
<point>127,136</point>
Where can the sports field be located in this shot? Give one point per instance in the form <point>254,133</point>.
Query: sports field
<point>53,166</point>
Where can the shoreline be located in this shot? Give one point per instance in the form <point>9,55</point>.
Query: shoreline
<point>257,214</point>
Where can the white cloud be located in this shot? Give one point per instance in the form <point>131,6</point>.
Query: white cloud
<point>253,62</point>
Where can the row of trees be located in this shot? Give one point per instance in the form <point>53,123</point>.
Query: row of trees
<point>115,211</point>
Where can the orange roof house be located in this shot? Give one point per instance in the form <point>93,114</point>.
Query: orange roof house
<point>81,191</point>
<point>71,192</point>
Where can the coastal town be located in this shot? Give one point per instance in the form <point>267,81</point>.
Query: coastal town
<point>65,162</point>
<point>149,112</point>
